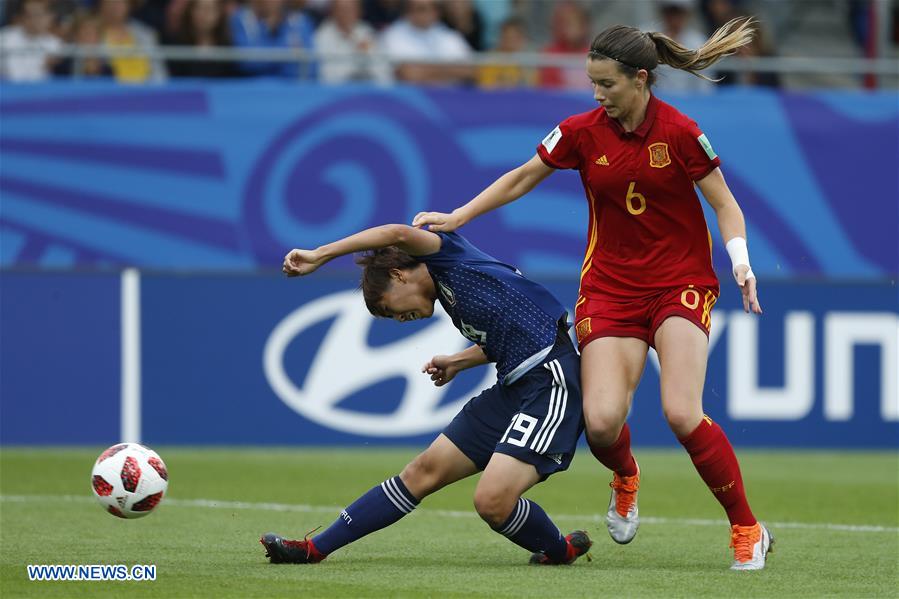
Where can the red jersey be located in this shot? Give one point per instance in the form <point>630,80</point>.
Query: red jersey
<point>647,230</point>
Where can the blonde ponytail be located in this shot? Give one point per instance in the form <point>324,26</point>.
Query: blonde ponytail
<point>733,35</point>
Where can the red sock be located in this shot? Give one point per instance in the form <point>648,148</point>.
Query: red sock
<point>716,463</point>
<point>617,457</point>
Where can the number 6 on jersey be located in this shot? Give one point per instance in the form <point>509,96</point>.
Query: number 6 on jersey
<point>632,195</point>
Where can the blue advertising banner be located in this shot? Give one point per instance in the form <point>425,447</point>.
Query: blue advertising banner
<point>258,359</point>
<point>59,357</point>
<point>226,176</point>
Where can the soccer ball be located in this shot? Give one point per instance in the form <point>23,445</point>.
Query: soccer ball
<point>129,480</point>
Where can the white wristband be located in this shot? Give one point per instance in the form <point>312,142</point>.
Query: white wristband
<point>739,254</point>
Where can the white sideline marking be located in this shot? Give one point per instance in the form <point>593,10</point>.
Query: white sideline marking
<point>305,508</point>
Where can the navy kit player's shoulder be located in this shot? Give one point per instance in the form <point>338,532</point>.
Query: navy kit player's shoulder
<point>454,250</point>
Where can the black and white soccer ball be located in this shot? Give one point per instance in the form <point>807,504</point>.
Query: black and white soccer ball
<point>129,480</point>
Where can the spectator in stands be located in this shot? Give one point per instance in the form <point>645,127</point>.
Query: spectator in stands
<point>204,25</point>
<point>570,36</point>
<point>317,10</point>
<point>346,35</point>
<point>119,30</point>
<point>759,46</point>
<point>493,14</point>
<point>151,13</point>
<point>174,15</point>
<point>85,31</point>
<point>513,38</point>
<point>269,24</point>
<point>380,14</point>
<point>719,12</point>
<point>676,17</point>
<point>463,16</point>
<point>27,48</point>
<point>420,35</point>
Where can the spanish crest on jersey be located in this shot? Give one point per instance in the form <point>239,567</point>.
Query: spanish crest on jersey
<point>658,155</point>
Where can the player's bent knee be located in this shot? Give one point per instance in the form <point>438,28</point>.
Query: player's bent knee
<point>603,428</point>
<point>493,507</point>
<point>682,422</point>
<point>422,476</point>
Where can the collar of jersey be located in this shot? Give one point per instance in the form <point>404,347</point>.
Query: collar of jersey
<point>651,109</point>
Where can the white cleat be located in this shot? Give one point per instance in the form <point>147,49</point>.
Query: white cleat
<point>623,517</point>
<point>751,545</point>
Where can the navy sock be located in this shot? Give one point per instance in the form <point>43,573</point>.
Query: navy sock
<point>531,528</point>
<point>381,506</point>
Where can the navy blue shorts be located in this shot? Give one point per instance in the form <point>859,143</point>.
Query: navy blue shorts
<point>537,419</point>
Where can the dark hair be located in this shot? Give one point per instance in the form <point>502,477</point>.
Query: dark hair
<point>187,35</point>
<point>634,49</point>
<point>19,8</point>
<point>376,266</point>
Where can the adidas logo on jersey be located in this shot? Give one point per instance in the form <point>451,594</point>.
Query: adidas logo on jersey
<point>602,161</point>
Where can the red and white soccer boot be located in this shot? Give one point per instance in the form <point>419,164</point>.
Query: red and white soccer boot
<point>284,551</point>
<point>578,544</point>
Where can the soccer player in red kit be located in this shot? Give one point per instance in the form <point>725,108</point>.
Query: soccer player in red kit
<point>647,277</point>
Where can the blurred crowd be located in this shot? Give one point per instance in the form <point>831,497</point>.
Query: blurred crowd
<point>348,32</point>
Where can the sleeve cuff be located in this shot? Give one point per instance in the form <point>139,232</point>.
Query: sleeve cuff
<point>544,156</point>
<point>705,173</point>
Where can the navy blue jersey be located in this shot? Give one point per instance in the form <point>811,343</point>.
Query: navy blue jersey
<point>514,320</point>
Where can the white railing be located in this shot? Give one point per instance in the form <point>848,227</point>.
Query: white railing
<point>779,64</point>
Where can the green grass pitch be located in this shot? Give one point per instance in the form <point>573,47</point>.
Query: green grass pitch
<point>47,516</point>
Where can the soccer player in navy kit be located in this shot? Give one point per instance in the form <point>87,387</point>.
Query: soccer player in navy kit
<point>519,431</point>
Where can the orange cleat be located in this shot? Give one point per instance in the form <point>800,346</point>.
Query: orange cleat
<point>751,545</point>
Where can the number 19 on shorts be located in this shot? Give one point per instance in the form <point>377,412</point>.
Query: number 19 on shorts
<point>522,425</point>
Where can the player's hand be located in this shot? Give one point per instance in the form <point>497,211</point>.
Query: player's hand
<point>748,289</point>
<point>300,262</point>
<point>442,370</point>
<point>437,221</point>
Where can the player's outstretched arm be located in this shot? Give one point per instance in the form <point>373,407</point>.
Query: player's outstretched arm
<point>733,231</point>
<point>507,188</point>
<point>443,369</point>
<point>415,242</point>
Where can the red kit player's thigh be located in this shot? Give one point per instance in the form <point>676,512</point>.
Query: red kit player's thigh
<point>597,317</point>
<point>692,302</point>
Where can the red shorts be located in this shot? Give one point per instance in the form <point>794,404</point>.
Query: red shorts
<point>640,317</point>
